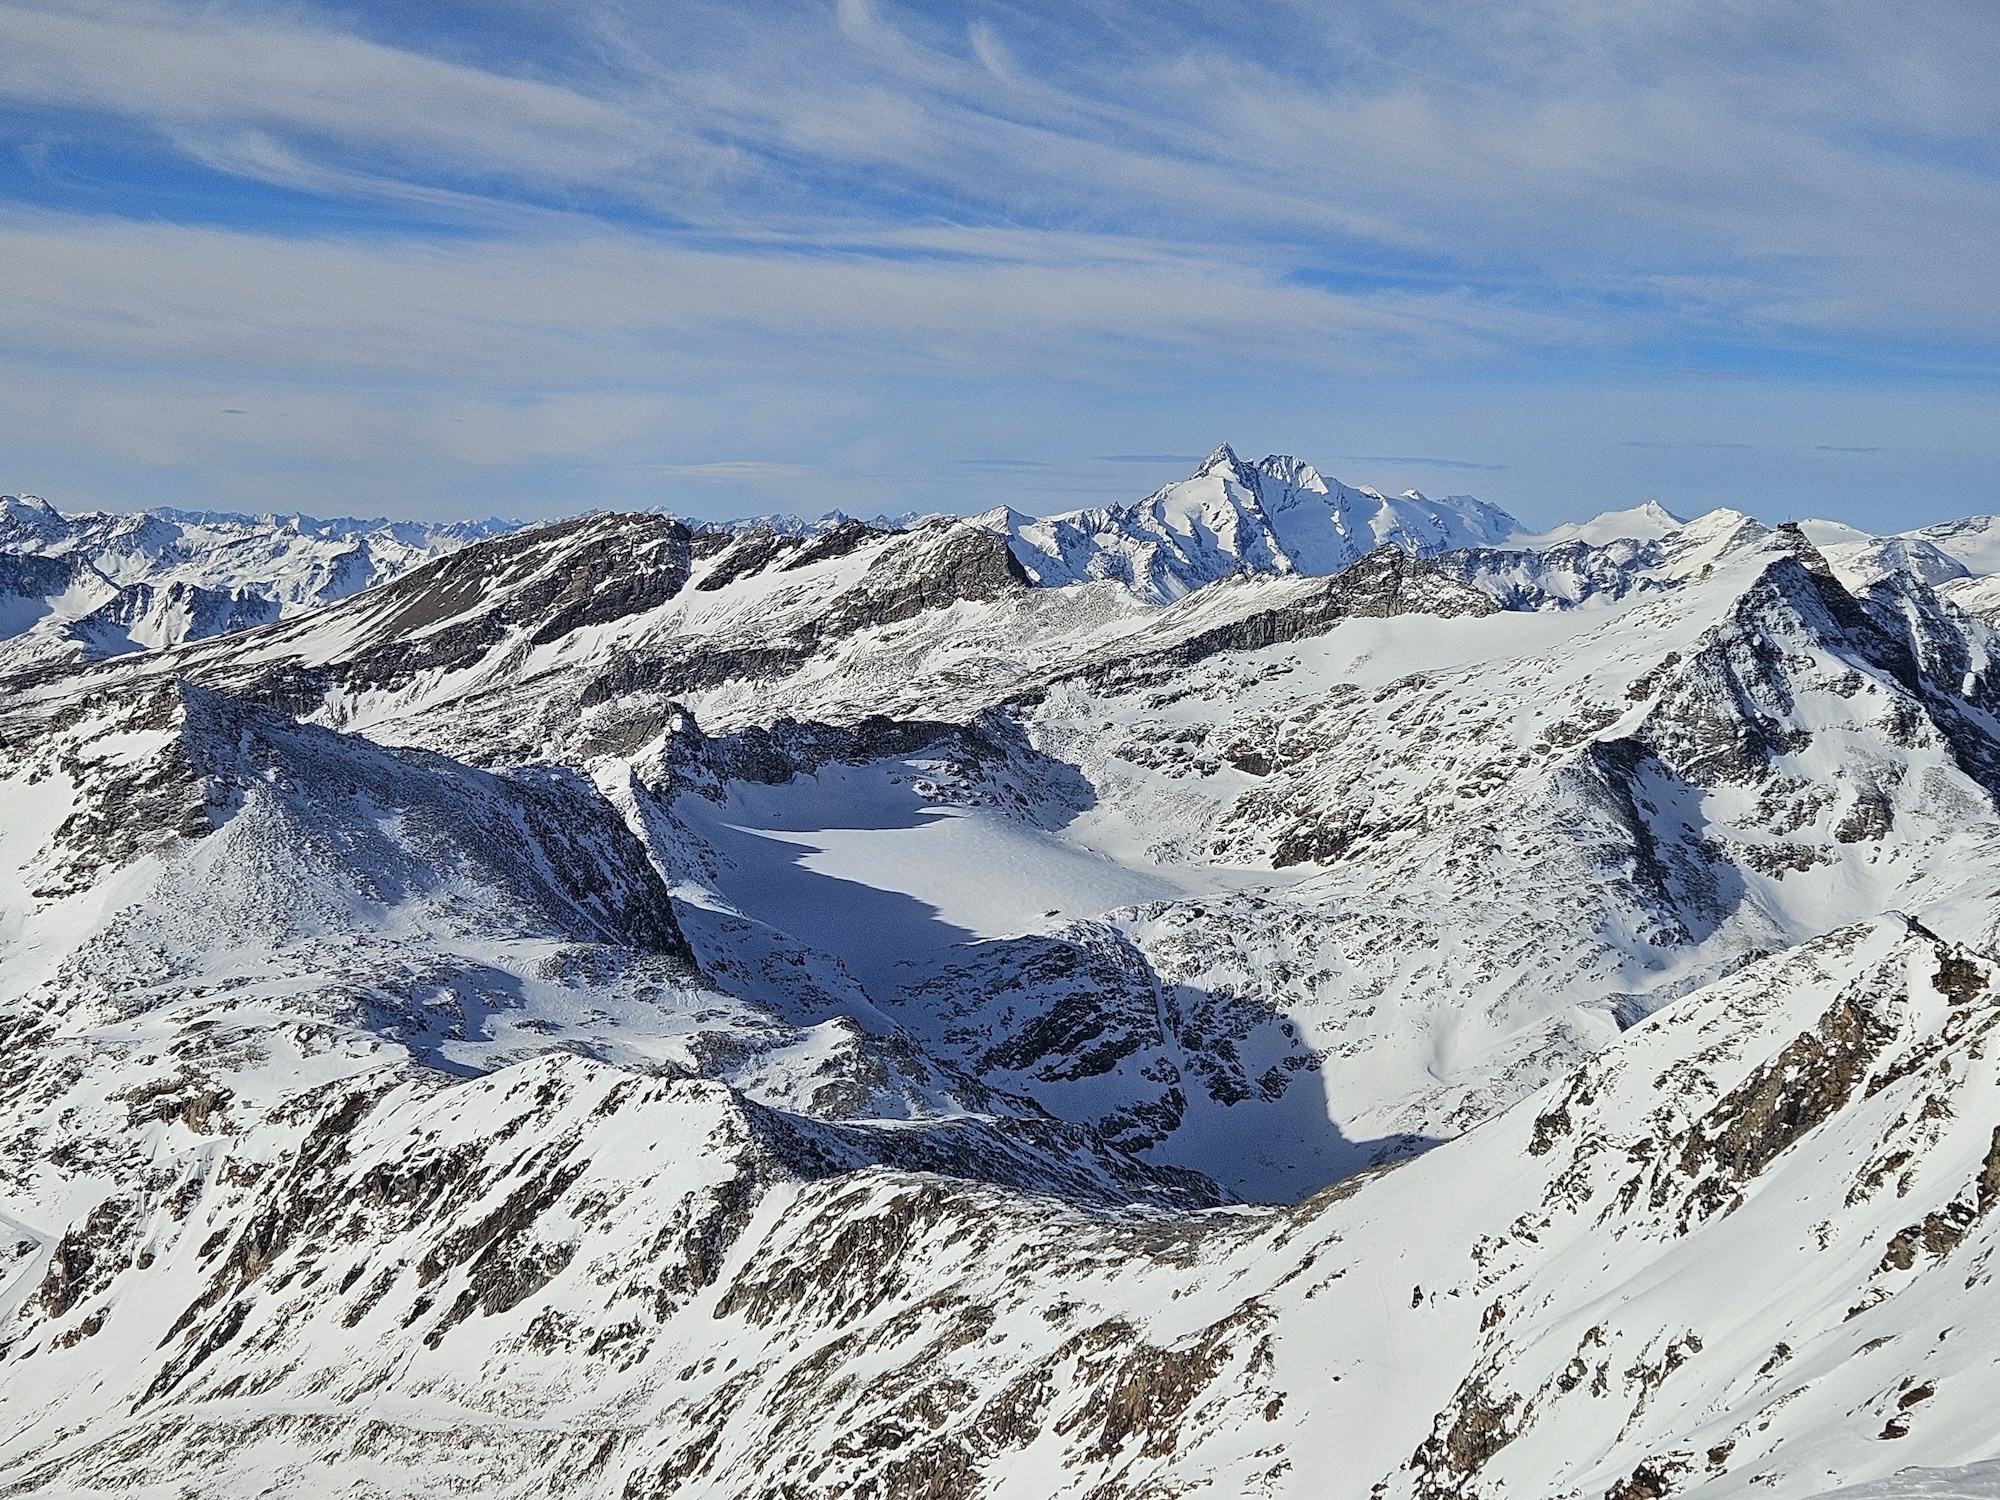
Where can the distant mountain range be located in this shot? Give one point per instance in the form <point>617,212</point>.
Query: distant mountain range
<point>1275,989</point>
<point>102,584</point>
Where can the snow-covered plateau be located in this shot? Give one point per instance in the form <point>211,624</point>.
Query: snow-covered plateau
<point>1273,990</point>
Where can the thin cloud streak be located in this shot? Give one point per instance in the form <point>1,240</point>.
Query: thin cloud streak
<point>607,306</point>
<point>1647,443</point>
<point>1431,463</point>
<point>638,236</point>
<point>740,471</point>
<point>206,78</point>
<point>1619,158</point>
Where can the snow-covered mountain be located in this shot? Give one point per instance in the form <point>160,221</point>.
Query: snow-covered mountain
<point>1277,516</point>
<point>1647,522</point>
<point>100,584</point>
<point>628,1010</point>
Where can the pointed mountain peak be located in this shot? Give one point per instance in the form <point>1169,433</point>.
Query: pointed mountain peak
<point>1001,518</point>
<point>1791,536</point>
<point>1223,461</point>
<point>1711,539</point>
<point>1723,522</point>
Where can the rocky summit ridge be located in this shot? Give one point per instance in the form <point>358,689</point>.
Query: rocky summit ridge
<point>1275,989</point>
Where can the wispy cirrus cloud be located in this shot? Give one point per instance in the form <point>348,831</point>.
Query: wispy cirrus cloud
<point>610,304</point>
<point>654,234</point>
<point>270,95</point>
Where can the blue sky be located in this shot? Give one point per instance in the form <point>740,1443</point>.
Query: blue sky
<point>730,258</point>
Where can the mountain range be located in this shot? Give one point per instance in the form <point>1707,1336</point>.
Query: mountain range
<point>1273,989</point>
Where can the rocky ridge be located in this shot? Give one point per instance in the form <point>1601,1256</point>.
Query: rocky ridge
<point>633,1010</point>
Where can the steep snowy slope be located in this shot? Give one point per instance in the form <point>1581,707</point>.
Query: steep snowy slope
<point>58,610</point>
<point>46,603</point>
<point>1690,783</point>
<point>1262,856</point>
<point>622,1010</point>
<point>1731,1253</point>
<point>175,845</point>
<point>1181,537</point>
<point>1973,542</point>
<point>1641,523</point>
<point>1324,526</point>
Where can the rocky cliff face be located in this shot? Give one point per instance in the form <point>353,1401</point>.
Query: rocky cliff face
<point>627,1011</point>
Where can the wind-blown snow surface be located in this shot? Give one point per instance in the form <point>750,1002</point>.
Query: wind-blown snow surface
<point>622,1011</point>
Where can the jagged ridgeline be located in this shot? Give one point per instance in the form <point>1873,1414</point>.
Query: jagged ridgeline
<point>1275,989</point>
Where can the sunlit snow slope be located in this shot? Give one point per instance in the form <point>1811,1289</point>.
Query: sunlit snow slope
<point>1271,990</point>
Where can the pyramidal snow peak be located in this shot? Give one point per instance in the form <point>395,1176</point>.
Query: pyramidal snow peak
<point>1269,989</point>
<point>1274,517</point>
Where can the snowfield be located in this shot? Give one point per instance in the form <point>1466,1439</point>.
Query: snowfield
<point>1275,989</point>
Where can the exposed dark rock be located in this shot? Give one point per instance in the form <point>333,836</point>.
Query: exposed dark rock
<point>1038,1154</point>
<point>1647,1482</point>
<point>1150,1390</point>
<point>126,808</point>
<point>933,568</point>
<point>913,573</point>
<point>1871,818</point>
<point>687,670</point>
<point>87,1257</point>
<point>1464,1436</point>
<point>791,747</point>
<point>1958,978</point>
<point>542,835</point>
<point>1987,1188</point>
<point>848,537</point>
<point>851,1273</point>
<point>1388,581</point>
<point>1798,1090</point>
<point>1555,577</point>
<point>448,614</point>
<point>740,555</point>
<point>31,575</point>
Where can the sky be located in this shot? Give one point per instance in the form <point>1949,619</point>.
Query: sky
<point>724,259</point>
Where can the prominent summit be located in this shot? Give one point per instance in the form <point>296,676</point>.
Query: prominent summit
<point>1224,461</point>
<point>1274,517</point>
<point>1124,1003</point>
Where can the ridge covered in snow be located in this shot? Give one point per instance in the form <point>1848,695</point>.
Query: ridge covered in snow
<point>100,584</point>
<point>1271,990</point>
<point>1647,522</point>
